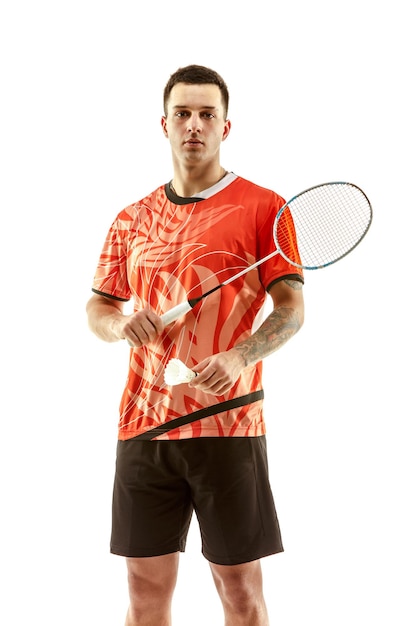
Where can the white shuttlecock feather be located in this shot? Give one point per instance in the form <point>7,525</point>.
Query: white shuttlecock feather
<point>176,372</point>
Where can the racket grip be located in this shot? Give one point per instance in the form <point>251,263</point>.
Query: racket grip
<point>176,312</point>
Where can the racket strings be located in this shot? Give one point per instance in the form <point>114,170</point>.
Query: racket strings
<point>322,224</point>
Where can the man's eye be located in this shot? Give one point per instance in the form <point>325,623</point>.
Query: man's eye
<point>204,114</point>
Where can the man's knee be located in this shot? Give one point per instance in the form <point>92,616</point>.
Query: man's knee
<point>152,580</point>
<point>241,584</point>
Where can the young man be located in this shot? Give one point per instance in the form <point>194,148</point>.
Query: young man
<point>183,239</point>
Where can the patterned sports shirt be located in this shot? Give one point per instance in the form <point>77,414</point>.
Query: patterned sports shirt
<point>164,250</point>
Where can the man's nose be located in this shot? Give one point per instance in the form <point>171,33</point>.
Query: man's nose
<point>194,123</point>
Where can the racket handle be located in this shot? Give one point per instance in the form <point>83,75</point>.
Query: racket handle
<point>176,312</point>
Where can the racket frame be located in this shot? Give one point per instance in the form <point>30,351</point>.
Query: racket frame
<point>326,264</point>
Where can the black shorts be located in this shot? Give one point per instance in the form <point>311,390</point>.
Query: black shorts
<point>158,485</point>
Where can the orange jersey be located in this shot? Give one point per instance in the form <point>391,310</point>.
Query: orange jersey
<point>164,250</point>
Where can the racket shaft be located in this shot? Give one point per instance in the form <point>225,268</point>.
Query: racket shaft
<point>181,309</point>
<point>250,268</point>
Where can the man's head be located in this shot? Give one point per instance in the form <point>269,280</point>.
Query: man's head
<point>197,75</point>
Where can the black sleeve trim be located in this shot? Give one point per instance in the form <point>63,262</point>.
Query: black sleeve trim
<point>296,277</point>
<point>107,295</point>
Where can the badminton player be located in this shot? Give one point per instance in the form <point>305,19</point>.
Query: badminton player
<point>184,238</point>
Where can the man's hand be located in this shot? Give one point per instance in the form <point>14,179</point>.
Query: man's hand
<point>218,373</point>
<point>140,328</point>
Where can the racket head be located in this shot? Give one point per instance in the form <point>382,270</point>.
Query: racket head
<point>322,224</point>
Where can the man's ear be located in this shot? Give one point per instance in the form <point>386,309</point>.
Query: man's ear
<point>226,131</point>
<point>164,125</point>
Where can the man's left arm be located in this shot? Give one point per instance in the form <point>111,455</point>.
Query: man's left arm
<point>218,373</point>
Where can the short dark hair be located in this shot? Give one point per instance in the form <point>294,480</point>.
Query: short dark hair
<point>197,75</point>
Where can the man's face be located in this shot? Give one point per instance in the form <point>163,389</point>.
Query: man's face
<point>195,122</point>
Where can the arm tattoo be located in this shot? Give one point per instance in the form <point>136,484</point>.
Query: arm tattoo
<point>276,330</point>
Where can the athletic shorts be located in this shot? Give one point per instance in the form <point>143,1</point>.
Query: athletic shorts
<point>159,484</point>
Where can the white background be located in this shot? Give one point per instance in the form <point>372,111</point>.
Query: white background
<point>320,91</point>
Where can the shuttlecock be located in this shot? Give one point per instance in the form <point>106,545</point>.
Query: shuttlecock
<point>176,372</point>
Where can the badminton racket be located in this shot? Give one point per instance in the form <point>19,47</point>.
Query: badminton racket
<point>313,230</point>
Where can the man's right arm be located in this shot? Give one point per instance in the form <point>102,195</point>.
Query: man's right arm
<point>107,320</point>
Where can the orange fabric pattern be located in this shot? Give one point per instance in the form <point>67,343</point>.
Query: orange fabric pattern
<point>159,254</point>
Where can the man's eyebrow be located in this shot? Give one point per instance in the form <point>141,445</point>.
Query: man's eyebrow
<point>185,106</point>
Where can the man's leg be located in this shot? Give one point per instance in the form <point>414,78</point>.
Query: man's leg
<point>241,592</point>
<point>151,586</point>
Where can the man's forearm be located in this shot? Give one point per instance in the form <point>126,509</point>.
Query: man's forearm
<point>104,320</point>
<point>282,324</point>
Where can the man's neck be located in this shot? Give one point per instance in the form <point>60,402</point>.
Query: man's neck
<point>190,184</point>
